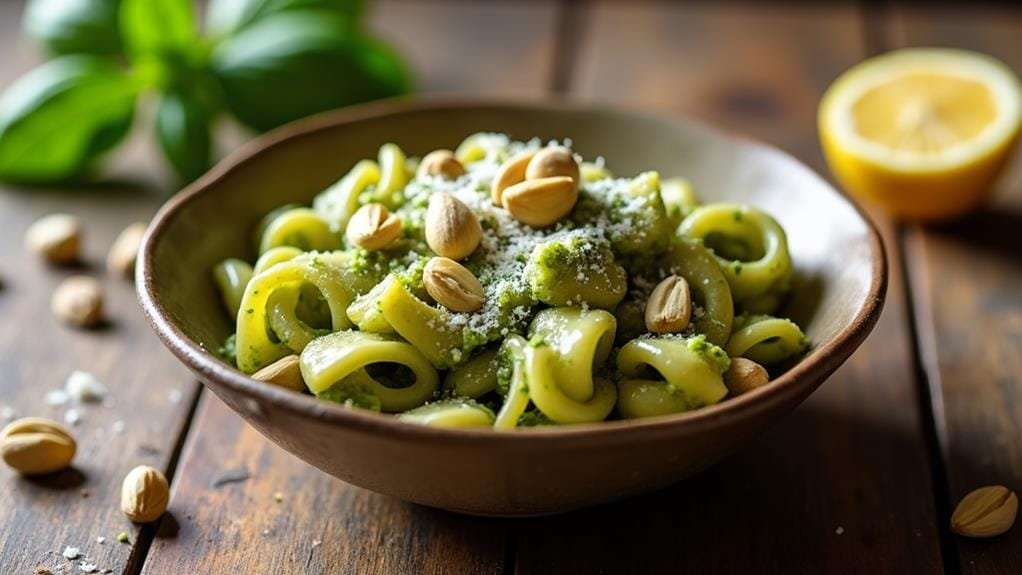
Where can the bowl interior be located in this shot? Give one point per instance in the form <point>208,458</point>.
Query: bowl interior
<point>835,251</point>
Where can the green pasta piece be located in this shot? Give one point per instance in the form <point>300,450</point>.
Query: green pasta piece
<point>479,146</point>
<point>766,340</point>
<point>337,203</point>
<point>688,371</point>
<point>706,282</point>
<point>283,319</point>
<point>366,311</point>
<point>349,359</point>
<point>393,176</point>
<point>474,378</point>
<point>231,276</point>
<point>513,380</point>
<point>590,172</point>
<point>301,228</point>
<point>428,328</point>
<point>581,339</point>
<point>257,234</point>
<point>679,199</point>
<point>545,391</point>
<point>451,413</point>
<point>751,248</point>
<point>576,270</point>
<point>274,256</point>
<point>327,272</point>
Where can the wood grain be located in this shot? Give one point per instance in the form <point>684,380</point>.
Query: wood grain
<point>967,280</point>
<point>227,519</point>
<point>237,526</point>
<point>151,393</point>
<point>841,486</point>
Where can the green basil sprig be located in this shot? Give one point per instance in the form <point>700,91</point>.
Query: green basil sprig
<point>266,62</point>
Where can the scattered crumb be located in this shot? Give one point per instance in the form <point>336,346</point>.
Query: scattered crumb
<point>122,537</point>
<point>840,530</point>
<point>7,413</point>
<point>56,397</point>
<point>118,426</point>
<point>266,531</point>
<point>88,567</point>
<point>101,540</point>
<point>84,387</point>
<point>175,396</point>
<point>72,417</point>
<point>40,570</point>
<point>71,553</point>
<point>278,497</point>
<point>316,543</point>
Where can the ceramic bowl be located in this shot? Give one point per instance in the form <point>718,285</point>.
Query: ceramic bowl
<point>841,281</point>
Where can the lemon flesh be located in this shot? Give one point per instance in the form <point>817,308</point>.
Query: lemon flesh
<point>923,132</point>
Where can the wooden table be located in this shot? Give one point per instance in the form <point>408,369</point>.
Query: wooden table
<point>860,479</point>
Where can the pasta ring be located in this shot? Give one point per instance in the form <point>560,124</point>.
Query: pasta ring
<point>341,358</point>
<point>766,269</point>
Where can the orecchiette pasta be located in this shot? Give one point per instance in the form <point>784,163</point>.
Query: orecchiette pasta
<point>559,337</point>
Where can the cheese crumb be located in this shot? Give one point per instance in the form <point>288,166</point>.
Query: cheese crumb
<point>56,397</point>
<point>72,417</point>
<point>840,530</point>
<point>71,553</point>
<point>88,567</point>
<point>101,540</point>
<point>82,386</point>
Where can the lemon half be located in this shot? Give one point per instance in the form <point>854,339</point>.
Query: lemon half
<point>921,131</point>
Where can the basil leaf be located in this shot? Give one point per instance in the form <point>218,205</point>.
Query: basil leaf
<point>294,64</point>
<point>157,26</point>
<point>182,125</point>
<point>57,119</point>
<point>74,26</point>
<point>228,16</point>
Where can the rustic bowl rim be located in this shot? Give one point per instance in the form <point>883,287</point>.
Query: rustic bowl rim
<point>811,371</point>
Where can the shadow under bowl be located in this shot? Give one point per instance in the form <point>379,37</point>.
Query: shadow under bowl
<point>837,253</point>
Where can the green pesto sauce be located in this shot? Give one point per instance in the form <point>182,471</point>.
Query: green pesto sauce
<point>351,396</point>
<point>229,350</point>
<point>534,418</point>
<point>505,372</point>
<point>710,353</point>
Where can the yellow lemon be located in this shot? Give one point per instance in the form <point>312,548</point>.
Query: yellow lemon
<point>921,131</point>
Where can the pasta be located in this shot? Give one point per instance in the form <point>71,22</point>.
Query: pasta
<point>631,304</point>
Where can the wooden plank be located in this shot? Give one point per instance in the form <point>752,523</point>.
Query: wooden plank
<point>968,280</point>
<point>228,519</point>
<point>237,527</point>
<point>150,394</point>
<point>843,484</point>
